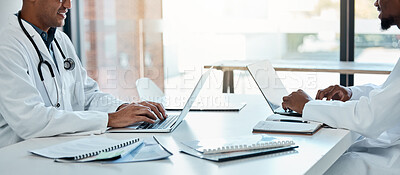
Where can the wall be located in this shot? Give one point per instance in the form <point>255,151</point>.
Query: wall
<point>8,7</point>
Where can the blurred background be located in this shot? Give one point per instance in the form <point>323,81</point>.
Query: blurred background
<point>170,41</point>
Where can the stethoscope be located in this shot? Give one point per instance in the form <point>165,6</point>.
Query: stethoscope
<point>69,63</point>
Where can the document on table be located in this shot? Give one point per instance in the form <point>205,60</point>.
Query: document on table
<point>89,149</point>
<point>105,150</point>
<point>286,124</point>
<point>151,149</point>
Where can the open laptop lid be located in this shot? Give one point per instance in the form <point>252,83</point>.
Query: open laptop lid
<point>149,91</point>
<point>193,96</point>
<point>269,83</point>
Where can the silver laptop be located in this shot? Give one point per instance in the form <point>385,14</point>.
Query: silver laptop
<point>270,86</point>
<point>173,119</point>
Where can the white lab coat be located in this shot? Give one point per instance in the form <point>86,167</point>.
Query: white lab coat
<point>374,112</point>
<point>25,110</point>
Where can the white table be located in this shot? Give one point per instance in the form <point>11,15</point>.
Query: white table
<point>314,156</point>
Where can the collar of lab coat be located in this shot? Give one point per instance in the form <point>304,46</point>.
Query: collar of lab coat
<point>13,20</point>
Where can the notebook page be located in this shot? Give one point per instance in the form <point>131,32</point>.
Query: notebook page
<point>79,147</point>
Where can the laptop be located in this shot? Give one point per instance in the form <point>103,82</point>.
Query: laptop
<point>270,86</point>
<point>173,120</point>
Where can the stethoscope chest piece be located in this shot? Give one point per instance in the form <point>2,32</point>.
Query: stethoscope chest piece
<point>69,64</point>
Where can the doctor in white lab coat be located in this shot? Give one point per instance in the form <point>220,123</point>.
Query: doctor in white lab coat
<point>370,110</point>
<point>72,102</point>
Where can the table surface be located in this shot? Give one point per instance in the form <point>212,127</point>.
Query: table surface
<point>315,154</point>
<point>310,66</point>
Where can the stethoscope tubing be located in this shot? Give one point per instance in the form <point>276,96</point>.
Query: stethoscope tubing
<point>69,63</point>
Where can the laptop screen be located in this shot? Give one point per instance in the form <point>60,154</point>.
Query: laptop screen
<point>194,94</point>
<point>268,82</point>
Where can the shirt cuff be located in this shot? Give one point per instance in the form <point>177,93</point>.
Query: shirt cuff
<point>102,122</point>
<point>315,111</point>
<point>307,110</point>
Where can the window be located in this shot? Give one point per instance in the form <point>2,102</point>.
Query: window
<point>203,32</point>
<point>371,44</point>
<point>172,40</point>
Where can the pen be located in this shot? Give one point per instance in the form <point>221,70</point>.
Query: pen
<point>295,121</point>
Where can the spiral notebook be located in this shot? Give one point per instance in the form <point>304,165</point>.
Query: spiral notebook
<point>245,143</point>
<point>237,147</point>
<point>89,149</point>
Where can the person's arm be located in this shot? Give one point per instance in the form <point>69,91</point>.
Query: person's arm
<point>375,112</point>
<point>23,108</point>
<point>338,92</point>
<point>370,115</point>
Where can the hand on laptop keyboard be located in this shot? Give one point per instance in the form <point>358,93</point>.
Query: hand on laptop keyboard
<point>159,124</point>
<point>296,101</point>
<point>156,108</point>
<point>136,112</point>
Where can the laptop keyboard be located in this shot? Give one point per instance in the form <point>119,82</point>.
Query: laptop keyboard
<point>160,124</point>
